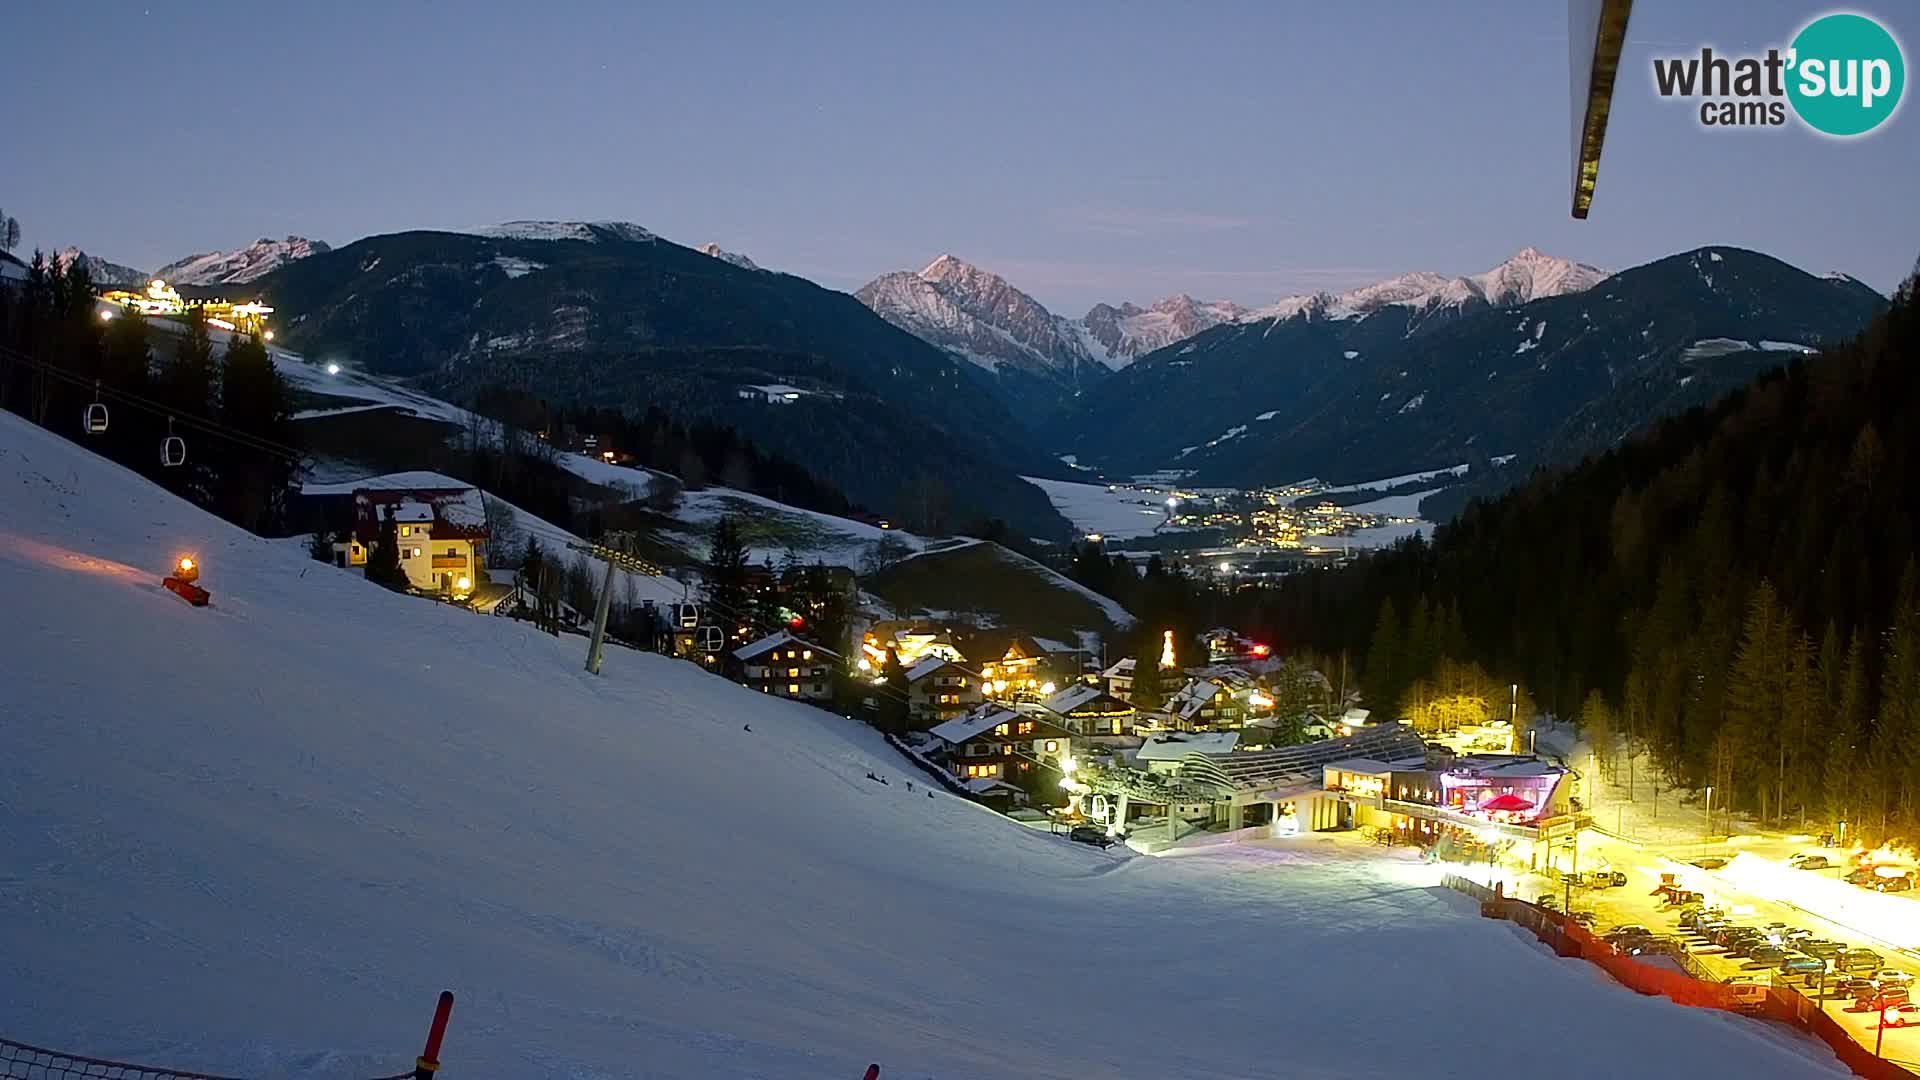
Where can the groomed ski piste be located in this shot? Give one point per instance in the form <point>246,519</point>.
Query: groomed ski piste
<point>257,838</point>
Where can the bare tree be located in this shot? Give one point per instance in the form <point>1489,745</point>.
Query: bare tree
<point>9,232</point>
<point>502,528</point>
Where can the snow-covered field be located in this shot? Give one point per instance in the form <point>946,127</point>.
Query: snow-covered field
<point>1121,513</point>
<point>259,837</point>
<point>771,527</point>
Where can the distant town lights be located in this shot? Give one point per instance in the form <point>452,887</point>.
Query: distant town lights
<point>333,369</point>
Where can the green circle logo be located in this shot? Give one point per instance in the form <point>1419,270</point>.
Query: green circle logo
<point>1846,75</point>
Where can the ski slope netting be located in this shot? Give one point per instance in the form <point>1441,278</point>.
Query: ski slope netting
<point>18,1061</point>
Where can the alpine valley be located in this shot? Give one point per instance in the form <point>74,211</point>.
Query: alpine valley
<point>1538,361</point>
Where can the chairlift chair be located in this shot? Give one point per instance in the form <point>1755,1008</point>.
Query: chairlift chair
<point>96,419</point>
<point>690,616</point>
<point>711,639</point>
<point>173,449</point>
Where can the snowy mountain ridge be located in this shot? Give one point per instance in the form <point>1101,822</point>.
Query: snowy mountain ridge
<point>981,316</point>
<point>241,266</point>
<point>100,270</point>
<point>1528,275</point>
<point>725,256</point>
<point>592,232</point>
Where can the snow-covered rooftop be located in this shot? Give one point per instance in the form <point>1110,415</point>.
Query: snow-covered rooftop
<point>971,724</point>
<point>1073,697</point>
<point>1175,746</point>
<point>774,641</point>
<point>926,667</point>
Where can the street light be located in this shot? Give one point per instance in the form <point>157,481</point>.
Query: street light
<point>1709,830</point>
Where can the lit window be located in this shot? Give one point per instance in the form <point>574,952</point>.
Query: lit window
<point>806,654</point>
<point>1052,746</point>
<point>1006,749</point>
<point>1026,727</point>
<point>1025,765</point>
<point>793,673</point>
<point>1000,730</point>
<point>793,688</point>
<point>406,530</point>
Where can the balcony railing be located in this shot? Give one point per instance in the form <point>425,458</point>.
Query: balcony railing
<point>449,562</point>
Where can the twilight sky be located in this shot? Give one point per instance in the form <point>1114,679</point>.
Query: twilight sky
<point>1086,151</point>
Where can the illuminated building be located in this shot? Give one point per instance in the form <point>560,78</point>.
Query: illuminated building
<point>786,666</point>
<point>163,300</point>
<point>442,533</point>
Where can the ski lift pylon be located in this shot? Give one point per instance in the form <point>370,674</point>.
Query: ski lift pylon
<point>96,416</point>
<point>173,449</point>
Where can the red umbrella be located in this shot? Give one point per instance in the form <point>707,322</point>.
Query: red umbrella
<point>1508,801</point>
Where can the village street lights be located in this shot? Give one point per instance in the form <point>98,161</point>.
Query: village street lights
<point>1709,830</point>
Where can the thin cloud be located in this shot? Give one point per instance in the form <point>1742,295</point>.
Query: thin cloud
<point>1141,220</point>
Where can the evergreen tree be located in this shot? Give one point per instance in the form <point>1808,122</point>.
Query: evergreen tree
<point>255,401</point>
<point>1845,779</point>
<point>892,715</point>
<point>1380,676</point>
<point>1597,725</point>
<point>1804,762</point>
<point>126,365</point>
<point>826,609</point>
<point>383,561</point>
<point>724,590</point>
<point>1149,683</point>
<point>1897,735</point>
<point>1754,701</point>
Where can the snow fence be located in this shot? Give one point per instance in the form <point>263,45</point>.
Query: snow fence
<point>20,1061</point>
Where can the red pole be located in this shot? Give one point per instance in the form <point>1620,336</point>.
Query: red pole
<point>873,1072</point>
<point>429,1060</point>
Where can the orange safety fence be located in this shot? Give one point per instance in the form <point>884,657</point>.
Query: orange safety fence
<point>1568,938</point>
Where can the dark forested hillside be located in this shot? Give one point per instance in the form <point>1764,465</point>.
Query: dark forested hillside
<point>630,321</point>
<point>1363,397</point>
<point>1737,586</point>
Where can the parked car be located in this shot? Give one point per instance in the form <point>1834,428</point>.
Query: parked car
<point>1902,883</point>
<point>1606,879</point>
<point>1810,862</point>
<point>1883,996</point>
<point>1860,876</point>
<point>1768,955</point>
<point>1854,988</point>
<point>1090,834</point>
<point>1820,947</point>
<point>1892,977</point>
<point>1710,862</point>
<point>1748,993</point>
<point>1857,960</point>
<point>1802,964</point>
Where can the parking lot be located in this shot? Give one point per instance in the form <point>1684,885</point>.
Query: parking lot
<point>1710,951</point>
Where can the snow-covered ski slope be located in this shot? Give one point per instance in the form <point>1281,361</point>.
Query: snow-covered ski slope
<point>259,837</point>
